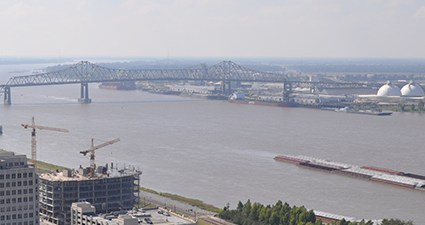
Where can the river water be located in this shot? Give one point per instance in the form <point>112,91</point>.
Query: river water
<point>221,152</point>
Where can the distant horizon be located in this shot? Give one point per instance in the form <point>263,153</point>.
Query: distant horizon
<point>213,28</point>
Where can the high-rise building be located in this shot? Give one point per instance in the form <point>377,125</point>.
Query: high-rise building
<point>18,190</point>
<point>109,190</point>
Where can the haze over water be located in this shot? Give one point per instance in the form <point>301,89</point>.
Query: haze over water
<point>220,152</point>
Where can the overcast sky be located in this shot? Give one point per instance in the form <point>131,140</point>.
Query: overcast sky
<point>213,28</point>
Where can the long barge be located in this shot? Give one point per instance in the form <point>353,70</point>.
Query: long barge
<point>263,103</point>
<point>371,173</point>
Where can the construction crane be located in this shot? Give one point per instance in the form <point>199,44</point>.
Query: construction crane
<point>91,150</point>
<point>33,141</point>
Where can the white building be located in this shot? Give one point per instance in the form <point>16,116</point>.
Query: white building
<point>18,191</point>
<point>389,92</point>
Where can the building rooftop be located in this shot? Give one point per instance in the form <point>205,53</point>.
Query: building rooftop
<point>165,218</point>
<point>81,174</point>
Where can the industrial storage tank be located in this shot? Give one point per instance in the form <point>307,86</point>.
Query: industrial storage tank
<point>389,89</point>
<point>412,90</point>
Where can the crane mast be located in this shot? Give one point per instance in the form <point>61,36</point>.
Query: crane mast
<point>33,138</point>
<point>92,149</point>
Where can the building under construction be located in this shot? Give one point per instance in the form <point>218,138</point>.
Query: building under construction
<point>108,190</point>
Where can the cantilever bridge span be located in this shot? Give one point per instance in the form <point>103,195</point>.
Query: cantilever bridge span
<point>85,72</point>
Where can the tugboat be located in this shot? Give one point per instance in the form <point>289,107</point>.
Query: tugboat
<point>369,112</point>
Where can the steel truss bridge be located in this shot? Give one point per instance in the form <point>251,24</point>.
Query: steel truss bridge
<point>85,72</point>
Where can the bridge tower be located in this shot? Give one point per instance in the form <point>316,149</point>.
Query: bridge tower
<point>84,93</point>
<point>287,89</point>
<point>226,88</point>
<point>7,97</point>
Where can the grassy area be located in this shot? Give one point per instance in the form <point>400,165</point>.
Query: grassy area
<point>200,222</point>
<point>192,202</point>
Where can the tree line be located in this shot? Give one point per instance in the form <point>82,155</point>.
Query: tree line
<point>283,214</point>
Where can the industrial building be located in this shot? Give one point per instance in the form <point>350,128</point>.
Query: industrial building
<point>108,190</point>
<point>18,190</point>
<point>83,213</point>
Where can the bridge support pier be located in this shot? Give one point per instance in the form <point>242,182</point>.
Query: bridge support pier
<point>287,89</point>
<point>84,93</point>
<point>7,97</point>
<point>226,91</point>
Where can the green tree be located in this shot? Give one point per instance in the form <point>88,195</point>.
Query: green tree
<point>240,206</point>
<point>401,106</point>
<point>274,218</point>
<point>246,209</point>
<point>421,105</point>
<point>395,222</point>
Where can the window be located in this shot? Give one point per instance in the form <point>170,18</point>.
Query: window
<point>13,184</point>
<point>13,208</point>
<point>2,201</point>
<point>31,215</point>
<point>2,177</point>
<point>14,217</point>
<point>24,175</point>
<point>1,193</point>
<point>7,192</point>
<point>30,174</point>
<point>25,183</point>
<point>19,183</point>
<point>21,163</point>
<point>7,176</point>
<point>1,185</point>
<point>7,184</point>
<point>30,199</point>
<point>19,199</point>
<point>30,182</point>
<point>19,192</point>
<point>13,200</point>
<point>25,191</point>
<point>8,201</point>
<point>19,175</point>
<point>13,175</point>
<point>25,199</point>
<point>13,192</point>
<point>30,190</point>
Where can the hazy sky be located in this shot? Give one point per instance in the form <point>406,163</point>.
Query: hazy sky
<point>217,28</point>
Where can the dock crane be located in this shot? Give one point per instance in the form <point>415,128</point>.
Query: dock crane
<point>92,149</point>
<point>33,140</point>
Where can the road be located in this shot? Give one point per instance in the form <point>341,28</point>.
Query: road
<point>190,211</point>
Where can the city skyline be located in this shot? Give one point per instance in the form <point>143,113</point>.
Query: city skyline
<point>213,28</point>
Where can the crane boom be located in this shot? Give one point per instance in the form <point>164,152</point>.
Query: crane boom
<point>99,146</point>
<point>92,149</point>
<point>33,140</point>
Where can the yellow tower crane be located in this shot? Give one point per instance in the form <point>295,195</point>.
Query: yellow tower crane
<point>33,141</point>
<point>91,150</point>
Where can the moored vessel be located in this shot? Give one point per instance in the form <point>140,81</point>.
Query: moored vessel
<point>376,174</point>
